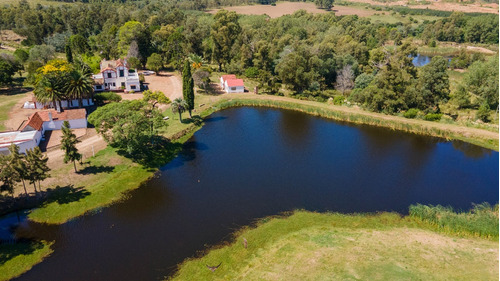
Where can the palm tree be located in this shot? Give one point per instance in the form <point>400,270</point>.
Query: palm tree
<point>78,86</point>
<point>47,89</point>
<point>179,105</point>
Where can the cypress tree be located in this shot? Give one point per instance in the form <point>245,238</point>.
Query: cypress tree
<point>69,53</point>
<point>68,142</point>
<point>188,87</point>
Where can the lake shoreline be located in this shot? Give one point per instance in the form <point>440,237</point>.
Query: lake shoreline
<point>44,214</point>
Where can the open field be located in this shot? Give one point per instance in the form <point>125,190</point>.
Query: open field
<point>287,8</point>
<point>313,246</point>
<point>8,101</point>
<point>438,5</point>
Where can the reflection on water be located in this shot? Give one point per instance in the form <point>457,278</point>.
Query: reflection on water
<point>248,163</point>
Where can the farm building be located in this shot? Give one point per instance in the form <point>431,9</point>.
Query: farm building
<point>53,120</point>
<point>234,86</point>
<point>25,140</point>
<point>34,104</point>
<point>32,130</point>
<point>116,76</point>
<point>231,84</point>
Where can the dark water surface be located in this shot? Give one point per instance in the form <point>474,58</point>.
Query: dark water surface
<point>248,163</point>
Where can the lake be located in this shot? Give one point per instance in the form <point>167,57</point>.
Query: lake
<point>248,163</point>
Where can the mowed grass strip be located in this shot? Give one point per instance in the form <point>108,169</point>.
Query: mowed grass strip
<point>314,246</point>
<point>102,190</point>
<point>16,259</point>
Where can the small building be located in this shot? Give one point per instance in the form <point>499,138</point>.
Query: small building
<point>223,79</point>
<point>116,75</point>
<point>234,86</point>
<point>25,140</point>
<point>49,120</point>
<point>34,104</point>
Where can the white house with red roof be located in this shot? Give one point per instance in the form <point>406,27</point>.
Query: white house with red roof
<point>116,75</point>
<point>231,84</point>
<point>32,130</point>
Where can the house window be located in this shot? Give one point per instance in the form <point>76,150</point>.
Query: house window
<point>105,84</point>
<point>114,84</point>
<point>98,87</point>
<point>132,87</point>
<point>233,88</point>
<point>123,84</point>
<point>121,73</point>
<point>109,74</point>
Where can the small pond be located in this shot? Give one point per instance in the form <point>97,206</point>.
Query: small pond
<point>421,60</point>
<point>248,163</point>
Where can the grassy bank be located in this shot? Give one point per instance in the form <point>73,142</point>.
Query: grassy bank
<point>331,246</point>
<point>421,127</point>
<point>16,259</point>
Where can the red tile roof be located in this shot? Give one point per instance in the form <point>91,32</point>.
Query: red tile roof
<point>34,121</point>
<point>235,83</point>
<point>228,76</point>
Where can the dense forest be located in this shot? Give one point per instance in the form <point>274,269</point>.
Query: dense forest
<point>345,58</point>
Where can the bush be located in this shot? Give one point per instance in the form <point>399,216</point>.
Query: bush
<point>338,100</point>
<point>102,98</point>
<point>483,113</point>
<point>411,113</point>
<point>433,117</point>
<point>432,43</point>
<point>251,72</point>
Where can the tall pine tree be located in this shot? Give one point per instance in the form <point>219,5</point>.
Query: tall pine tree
<point>36,166</point>
<point>188,87</point>
<point>68,142</point>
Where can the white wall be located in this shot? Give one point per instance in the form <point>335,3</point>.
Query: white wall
<point>24,146</point>
<point>74,124</point>
<point>235,90</point>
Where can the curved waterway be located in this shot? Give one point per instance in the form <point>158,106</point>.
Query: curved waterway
<point>247,163</point>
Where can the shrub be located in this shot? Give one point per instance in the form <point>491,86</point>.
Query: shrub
<point>411,113</point>
<point>102,98</point>
<point>432,44</point>
<point>338,100</point>
<point>251,72</point>
<point>433,117</point>
<point>483,113</point>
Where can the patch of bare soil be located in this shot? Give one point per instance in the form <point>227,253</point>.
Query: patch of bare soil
<point>10,36</point>
<point>287,8</point>
<point>167,82</point>
<point>18,114</point>
<point>441,6</point>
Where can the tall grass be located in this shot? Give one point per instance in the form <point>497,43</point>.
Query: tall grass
<point>481,221</point>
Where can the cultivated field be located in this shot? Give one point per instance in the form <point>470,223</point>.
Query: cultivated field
<point>439,5</point>
<point>287,8</point>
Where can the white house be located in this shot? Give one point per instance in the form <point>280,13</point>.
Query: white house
<point>34,104</point>
<point>25,140</point>
<point>32,130</point>
<point>223,79</point>
<point>234,86</point>
<point>52,120</point>
<point>115,76</point>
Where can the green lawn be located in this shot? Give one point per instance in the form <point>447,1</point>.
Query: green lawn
<point>18,258</point>
<point>313,246</point>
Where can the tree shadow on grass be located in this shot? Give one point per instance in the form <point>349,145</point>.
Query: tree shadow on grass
<point>196,119</point>
<point>154,154</point>
<point>10,251</point>
<point>66,194</point>
<point>96,170</point>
